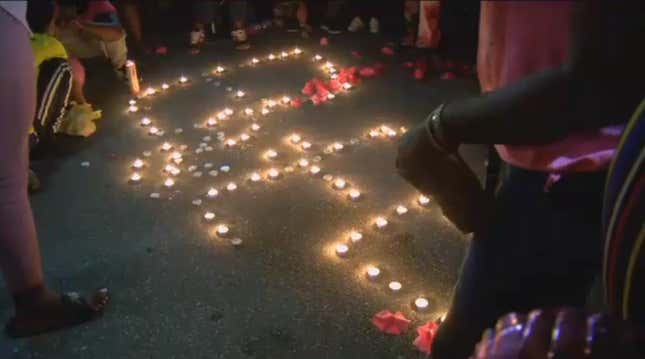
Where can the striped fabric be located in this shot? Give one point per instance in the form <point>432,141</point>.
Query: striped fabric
<point>624,224</point>
<point>54,87</point>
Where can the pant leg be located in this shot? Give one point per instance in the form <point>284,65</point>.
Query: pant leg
<point>543,250</point>
<point>85,48</point>
<point>116,52</point>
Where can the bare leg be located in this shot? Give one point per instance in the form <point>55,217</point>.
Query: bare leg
<point>78,81</point>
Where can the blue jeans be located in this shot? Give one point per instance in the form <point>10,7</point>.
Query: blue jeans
<point>543,249</point>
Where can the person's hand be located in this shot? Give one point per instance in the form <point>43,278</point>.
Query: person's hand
<point>445,176</point>
<point>553,334</point>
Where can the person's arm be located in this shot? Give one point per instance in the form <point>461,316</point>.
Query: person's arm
<point>105,27</point>
<point>600,85</point>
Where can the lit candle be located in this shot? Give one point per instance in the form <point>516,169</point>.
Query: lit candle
<point>273,173</point>
<point>354,194</point>
<point>133,108</point>
<point>255,127</point>
<point>373,273</point>
<point>248,111</point>
<point>347,86</point>
<point>303,162</point>
<point>286,100</point>
<point>255,61</point>
<point>337,146</point>
<point>423,200</point>
<point>328,64</point>
<point>150,91</point>
<point>165,86</point>
<point>236,242</point>
<point>132,102</point>
<point>295,138</point>
<point>212,193</point>
<point>334,76</point>
<point>403,129</point>
<point>331,96</point>
<point>211,122</point>
<point>340,183</point>
<point>221,116</point>
<point>209,216</point>
<point>355,236</point>
<point>314,170</point>
<point>153,131</point>
<point>284,54</point>
<point>135,178</point>
<point>231,142</point>
<point>342,250</point>
<point>297,51</point>
<point>219,69</point>
<point>231,187</point>
<point>169,168</point>
<point>395,286</point>
<point>166,147</point>
<point>401,210</point>
<point>169,182</point>
<point>222,230</point>
<point>244,137</point>
<point>271,57</point>
<point>183,79</point>
<point>391,133</point>
<point>272,103</point>
<point>255,177</point>
<point>306,145</point>
<point>375,134</point>
<point>380,222</point>
<point>271,154</point>
<point>265,111</point>
<point>145,122</point>
<point>240,94</point>
<point>421,303</point>
<point>332,70</point>
<point>229,111</point>
<point>317,57</point>
<point>138,163</point>
<point>175,156</point>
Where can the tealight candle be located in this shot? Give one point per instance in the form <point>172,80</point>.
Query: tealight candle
<point>240,94</point>
<point>135,178</point>
<point>340,183</point>
<point>133,108</point>
<point>303,162</point>
<point>176,155</point>
<point>231,142</point>
<point>169,182</point>
<point>306,145</point>
<point>138,163</point>
<point>212,193</point>
<point>355,236</point>
<point>273,173</point>
<point>146,122</point>
<point>272,103</point>
<point>381,222</point>
<point>244,137</point>
<point>211,122</point>
<point>286,100</point>
<point>150,91</point>
<point>169,168</point>
<point>255,127</point>
<point>219,69</point>
<point>165,86</point>
<point>222,230</point>
<point>375,134</point>
<point>317,57</point>
<point>342,250</point>
<point>295,138</point>
<point>421,303</point>
<point>271,57</point>
<point>297,51</point>
<point>391,133</point>
<point>284,54</point>
<point>166,147</point>
<point>401,210</point>
<point>255,61</point>
<point>337,146</point>
<point>334,76</point>
<point>314,170</point>
<point>231,187</point>
<point>221,116</point>
<point>265,111</point>
<point>403,129</point>
<point>328,64</point>
<point>248,111</point>
<point>228,111</point>
<point>347,86</point>
<point>331,96</point>
<point>423,200</point>
<point>209,216</point>
<point>373,273</point>
<point>395,286</point>
<point>153,131</point>
<point>183,79</point>
<point>354,194</point>
<point>271,154</point>
<point>132,102</point>
<point>255,177</point>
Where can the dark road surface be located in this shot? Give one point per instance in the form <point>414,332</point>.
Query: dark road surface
<point>180,291</point>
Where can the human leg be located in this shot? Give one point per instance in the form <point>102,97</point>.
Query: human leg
<point>543,250</point>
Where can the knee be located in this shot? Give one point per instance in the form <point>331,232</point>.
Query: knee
<point>78,71</point>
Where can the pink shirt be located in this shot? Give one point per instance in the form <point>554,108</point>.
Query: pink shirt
<point>520,38</point>
<point>97,7</point>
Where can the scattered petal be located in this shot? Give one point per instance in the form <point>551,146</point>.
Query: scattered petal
<point>391,323</point>
<point>425,337</point>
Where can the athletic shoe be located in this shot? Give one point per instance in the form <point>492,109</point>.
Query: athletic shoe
<point>374,26</point>
<point>356,25</point>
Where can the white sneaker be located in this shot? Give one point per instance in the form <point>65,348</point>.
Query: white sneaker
<point>356,25</point>
<point>374,26</point>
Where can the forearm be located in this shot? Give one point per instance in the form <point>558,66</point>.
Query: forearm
<point>104,32</point>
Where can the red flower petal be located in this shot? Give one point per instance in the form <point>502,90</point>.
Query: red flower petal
<point>368,71</point>
<point>391,323</point>
<point>309,88</point>
<point>296,103</point>
<point>448,76</point>
<point>387,51</point>
<point>425,337</point>
<point>324,41</point>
